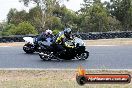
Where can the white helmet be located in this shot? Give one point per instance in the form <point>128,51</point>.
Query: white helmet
<point>48,31</point>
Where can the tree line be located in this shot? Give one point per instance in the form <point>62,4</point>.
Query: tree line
<point>93,16</point>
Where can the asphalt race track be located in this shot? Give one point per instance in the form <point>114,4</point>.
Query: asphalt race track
<point>101,57</point>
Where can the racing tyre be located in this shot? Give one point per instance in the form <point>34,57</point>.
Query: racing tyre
<point>27,48</point>
<point>83,56</point>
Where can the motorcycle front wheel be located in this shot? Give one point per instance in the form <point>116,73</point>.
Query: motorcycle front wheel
<point>83,56</point>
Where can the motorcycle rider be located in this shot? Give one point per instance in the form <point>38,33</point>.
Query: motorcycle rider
<point>61,38</point>
<point>63,35</point>
<point>48,36</point>
<point>44,36</point>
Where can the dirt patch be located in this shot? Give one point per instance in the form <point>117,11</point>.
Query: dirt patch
<point>12,44</point>
<point>52,79</point>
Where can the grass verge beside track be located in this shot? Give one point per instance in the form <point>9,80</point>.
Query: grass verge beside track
<point>52,79</point>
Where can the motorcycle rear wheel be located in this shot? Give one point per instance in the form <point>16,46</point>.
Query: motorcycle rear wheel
<point>27,49</point>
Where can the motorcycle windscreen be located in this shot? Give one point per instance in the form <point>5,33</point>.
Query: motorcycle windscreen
<point>79,41</point>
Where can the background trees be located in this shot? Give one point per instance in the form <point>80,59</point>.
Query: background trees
<point>23,29</point>
<point>93,16</point>
<point>122,11</point>
<point>15,17</point>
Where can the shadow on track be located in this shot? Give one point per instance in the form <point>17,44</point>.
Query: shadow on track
<point>30,53</point>
<point>68,61</point>
<point>55,60</point>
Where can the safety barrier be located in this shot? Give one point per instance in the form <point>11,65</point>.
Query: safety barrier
<point>84,36</point>
<point>105,35</point>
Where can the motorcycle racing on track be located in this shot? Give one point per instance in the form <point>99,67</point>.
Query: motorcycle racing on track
<point>63,46</point>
